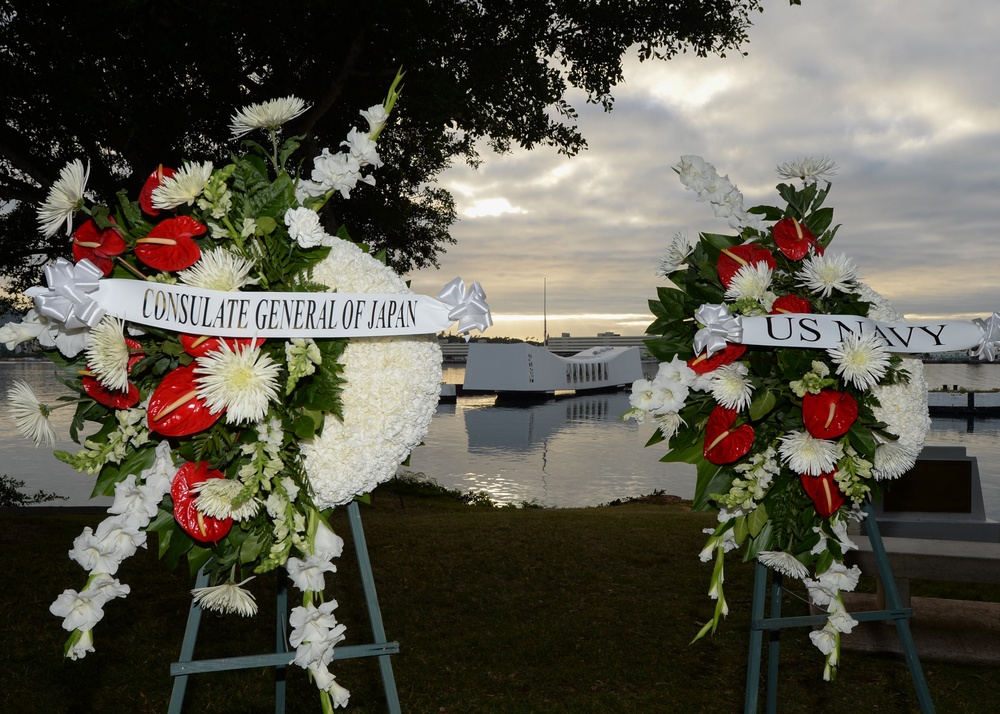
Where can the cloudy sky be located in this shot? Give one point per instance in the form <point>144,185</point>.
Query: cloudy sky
<point>904,95</point>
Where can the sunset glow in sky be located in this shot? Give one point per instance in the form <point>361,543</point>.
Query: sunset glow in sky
<point>903,96</point>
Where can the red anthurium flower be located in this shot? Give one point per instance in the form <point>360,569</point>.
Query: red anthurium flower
<point>135,352</point>
<point>790,304</point>
<point>824,492</point>
<point>794,239</point>
<point>153,182</point>
<point>732,259</point>
<point>175,409</point>
<point>828,414</point>
<point>196,524</point>
<point>723,444</point>
<point>201,345</point>
<point>703,365</point>
<point>170,245</point>
<point>114,398</point>
<point>98,246</point>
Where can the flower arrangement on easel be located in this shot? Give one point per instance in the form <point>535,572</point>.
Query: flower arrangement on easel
<point>788,441</point>
<point>231,450</point>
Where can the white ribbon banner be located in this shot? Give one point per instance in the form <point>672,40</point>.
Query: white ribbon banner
<point>76,295</point>
<point>980,337</point>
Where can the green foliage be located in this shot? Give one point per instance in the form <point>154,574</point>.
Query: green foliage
<point>11,495</point>
<point>506,81</point>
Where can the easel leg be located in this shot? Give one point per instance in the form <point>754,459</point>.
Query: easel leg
<point>371,600</point>
<point>773,645</point>
<point>187,647</point>
<point>281,640</point>
<point>893,602</point>
<point>756,638</point>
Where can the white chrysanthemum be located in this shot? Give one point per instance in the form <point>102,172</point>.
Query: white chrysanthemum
<point>807,455</point>
<point>243,381</point>
<point>730,386</point>
<point>669,424</point>
<point>391,391</point>
<point>902,406</point>
<point>215,498</point>
<point>784,563</point>
<point>822,274</point>
<point>750,282</point>
<point>861,360</point>
<point>808,170</point>
<point>675,255</point>
<point>226,598</point>
<point>266,115</point>
<point>184,187</point>
<point>218,269</point>
<point>64,199</point>
<point>30,415</point>
<point>108,354</point>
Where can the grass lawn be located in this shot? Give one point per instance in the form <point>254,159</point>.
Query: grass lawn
<point>495,610</point>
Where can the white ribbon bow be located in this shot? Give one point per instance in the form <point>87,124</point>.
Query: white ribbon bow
<point>468,307</point>
<point>719,328</point>
<point>990,341</point>
<point>66,299</point>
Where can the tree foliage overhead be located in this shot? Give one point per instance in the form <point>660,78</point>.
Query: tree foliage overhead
<point>131,84</point>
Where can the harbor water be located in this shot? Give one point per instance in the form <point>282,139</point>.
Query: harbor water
<point>567,452</point>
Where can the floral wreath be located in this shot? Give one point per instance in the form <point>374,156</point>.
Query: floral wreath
<point>231,450</point>
<point>788,441</point>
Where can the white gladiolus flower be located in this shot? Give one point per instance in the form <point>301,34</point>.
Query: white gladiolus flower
<point>82,646</point>
<point>307,573</point>
<point>64,199</point>
<point>80,611</point>
<point>268,115</point>
<point>826,640</point>
<point>338,172</point>
<point>362,148</point>
<point>15,333</point>
<point>376,116</point>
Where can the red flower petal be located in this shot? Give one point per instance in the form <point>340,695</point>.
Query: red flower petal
<point>169,246</point>
<point>175,409</point>
<point>152,183</point>
<point>202,528</point>
<point>828,414</point>
<point>790,304</point>
<point>824,492</point>
<point>97,245</point>
<point>113,398</point>
<point>732,259</point>
<point>794,239</point>
<point>723,444</point>
<point>703,365</point>
<point>200,345</point>
<point>135,351</point>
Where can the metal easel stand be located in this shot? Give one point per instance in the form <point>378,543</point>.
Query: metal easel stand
<point>282,656</point>
<point>775,623</point>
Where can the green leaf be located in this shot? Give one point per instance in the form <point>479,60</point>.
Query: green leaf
<point>711,479</point>
<point>136,462</point>
<point>762,541</point>
<point>197,557</point>
<point>819,221</point>
<point>756,520</point>
<point>740,530</point>
<point>862,440</point>
<point>762,405</point>
<point>673,303</point>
